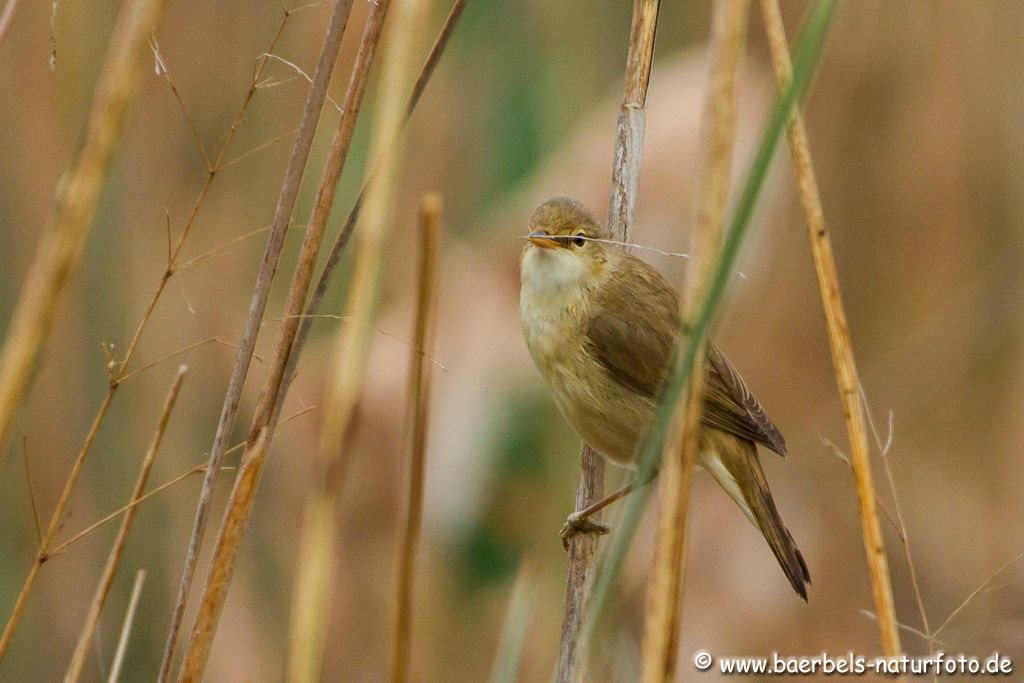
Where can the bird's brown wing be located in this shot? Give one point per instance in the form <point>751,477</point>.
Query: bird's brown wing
<point>629,337</point>
<point>633,337</point>
<point>730,406</point>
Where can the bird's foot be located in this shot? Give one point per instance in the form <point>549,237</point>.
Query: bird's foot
<point>580,524</point>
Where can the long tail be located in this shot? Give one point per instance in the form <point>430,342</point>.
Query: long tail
<point>734,464</point>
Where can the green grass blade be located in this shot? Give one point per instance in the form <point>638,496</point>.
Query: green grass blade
<point>812,37</point>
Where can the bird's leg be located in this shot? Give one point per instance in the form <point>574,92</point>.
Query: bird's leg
<point>580,522</point>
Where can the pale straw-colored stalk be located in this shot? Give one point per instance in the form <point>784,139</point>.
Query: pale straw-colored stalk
<point>257,306</point>
<point>419,409</point>
<point>60,249</point>
<point>665,591</point>
<point>126,627</point>
<point>64,236</point>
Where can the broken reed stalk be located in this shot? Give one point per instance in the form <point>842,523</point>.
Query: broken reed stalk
<point>419,408</point>
<point>63,238</point>
<point>664,596</point>
<point>815,29</point>
<point>839,340</point>
<point>261,292</point>
<point>119,369</point>
<point>341,242</point>
<point>114,558</point>
<point>126,627</point>
<point>622,201</point>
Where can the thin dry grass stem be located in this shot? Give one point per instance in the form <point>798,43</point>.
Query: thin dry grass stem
<point>419,405</point>
<point>60,250</point>
<point>6,18</point>
<point>975,593</point>
<point>159,489</point>
<point>263,420</point>
<point>114,558</point>
<point>59,549</point>
<point>297,69</point>
<point>185,265</point>
<point>118,369</point>
<point>664,596</point>
<point>63,238</point>
<point>839,340</point>
<point>622,199</point>
<point>31,492</point>
<point>261,292</point>
<point>314,579</point>
<point>897,519</point>
<point>341,242</point>
<point>161,69</point>
<point>260,147</point>
<point>126,627</point>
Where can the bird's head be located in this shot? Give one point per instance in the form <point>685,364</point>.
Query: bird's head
<point>561,251</point>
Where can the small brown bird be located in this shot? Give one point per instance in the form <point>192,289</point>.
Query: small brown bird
<point>601,326</point>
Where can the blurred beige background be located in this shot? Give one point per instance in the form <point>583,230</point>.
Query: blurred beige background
<point>914,125</point>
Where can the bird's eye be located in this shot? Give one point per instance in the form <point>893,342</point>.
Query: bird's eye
<point>579,240</point>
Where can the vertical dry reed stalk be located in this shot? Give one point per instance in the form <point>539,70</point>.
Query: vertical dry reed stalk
<point>261,292</point>
<point>313,308</point>
<point>243,495</point>
<point>419,409</point>
<point>314,580</point>
<point>63,238</point>
<point>315,563</point>
<point>664,597</point>
<point>839,340</point>
<point>126,627</point>
<point>316,556</point>
<point>114,558</point>
<point>622,199</point>
<point>387,139</point>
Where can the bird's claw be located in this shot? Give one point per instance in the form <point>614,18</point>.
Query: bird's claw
<point>578,524</point>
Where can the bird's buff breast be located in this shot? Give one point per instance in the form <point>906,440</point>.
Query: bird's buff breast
<point>607,416</point>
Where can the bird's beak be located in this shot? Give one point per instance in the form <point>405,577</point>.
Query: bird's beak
<point>543,240</point>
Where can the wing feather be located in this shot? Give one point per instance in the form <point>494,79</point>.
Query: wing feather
<point>629,338</point>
